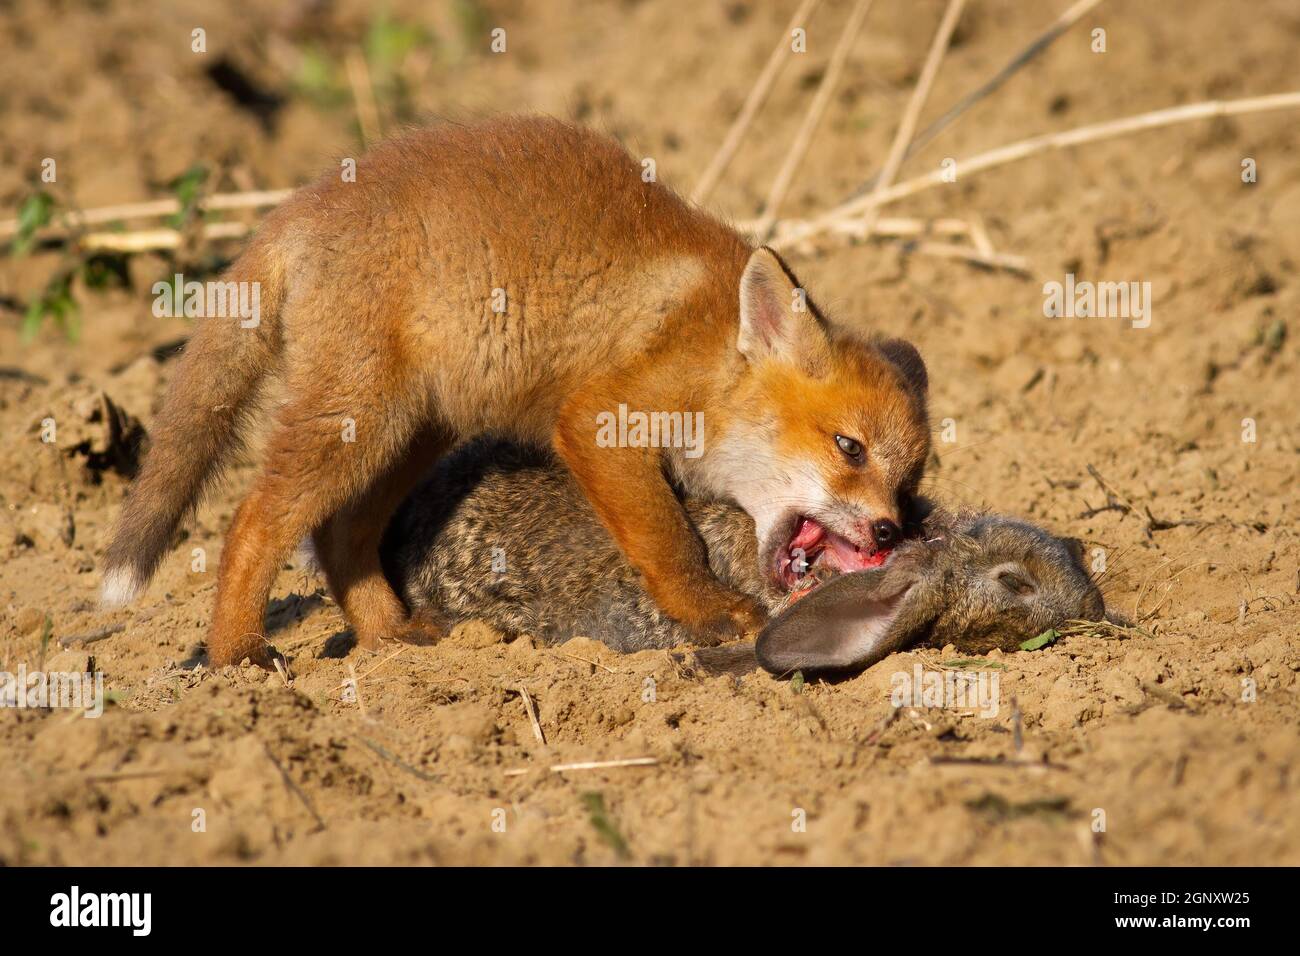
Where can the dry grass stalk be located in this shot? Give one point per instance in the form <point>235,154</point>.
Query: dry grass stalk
<point>605,764</point>
<point>574,657</point>
<point>990,259</point>
<point>293,788</point>
<point>396,761</point>
<point>155,208</point>
<point>890,227</point>
<point>1102,629</point>
<point>803,139</point>
<point>1094,132</point>
<point>532,715</point>
<point>356,689</point>
<point>1040,43</point>
<point>912,114</point>
<point>391,657</point>
<point>753,102</point>
<point>588,765</point>
<point>980,237</point>
<point>146,240</point>
<point>363,96</point>
<point>79,640</point>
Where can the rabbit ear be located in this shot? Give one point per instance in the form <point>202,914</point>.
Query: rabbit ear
<point>735,659</point>
<point>845,623</point>
<point>1078,550</point>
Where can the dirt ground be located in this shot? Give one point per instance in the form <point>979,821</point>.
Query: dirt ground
<point>1177,747</point>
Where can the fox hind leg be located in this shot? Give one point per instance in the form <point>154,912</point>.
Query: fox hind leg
<point>347,546</point>
<point>313,468</point>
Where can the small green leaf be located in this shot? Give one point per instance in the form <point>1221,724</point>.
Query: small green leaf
<point>604,826</point>
<point>55,301</point>
<point>32,320</point>
<point>389,41</point>
<point>36,212</point>
<point>318,78</point>
<point>1274,335</point>
<point>472,19</point>
<point>47,632</point>
<point>1050,636</point>
<point>796,682</point>
<point>973,664</point>
<point>187,187</point>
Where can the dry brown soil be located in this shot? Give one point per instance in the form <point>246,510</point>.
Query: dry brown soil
<point>1158,733</point>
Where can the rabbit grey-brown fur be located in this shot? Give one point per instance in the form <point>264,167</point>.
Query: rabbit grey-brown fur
<point>502,533</point>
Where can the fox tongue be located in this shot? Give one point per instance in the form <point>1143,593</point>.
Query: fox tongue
<point>848,557</point>
<point>807,536</point>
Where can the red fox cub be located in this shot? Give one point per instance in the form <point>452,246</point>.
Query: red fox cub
<point>521,277</point>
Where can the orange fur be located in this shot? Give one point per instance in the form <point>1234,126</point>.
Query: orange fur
<point>615,292</point>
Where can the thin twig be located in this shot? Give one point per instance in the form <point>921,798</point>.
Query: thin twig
<point>1040,43</point>
<point>980,237</point>
<point>920,93</point>
<point>146,240</point>
<point>997,763</point>
<point>753,102</point>
<point>796,231</point>
<point>363,96</point>
<point>993,260</point>
<point>356,689</point>
<point>398,762</point>
<point>982,254</point>
<point>155,208</point>
<point>126,775</point>
<point>532,715</point>
<point>72,640</point>
<point>891,226</point>
<point>588,765</point>
<point>574,657</point>
<point>293,787</point>
<point>393,656</point>
<point>605,764</point>
<point>803,139</point>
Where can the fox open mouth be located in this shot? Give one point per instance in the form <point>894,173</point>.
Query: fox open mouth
<point>814,548</point>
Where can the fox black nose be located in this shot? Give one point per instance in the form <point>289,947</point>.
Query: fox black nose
<point>885,533</point>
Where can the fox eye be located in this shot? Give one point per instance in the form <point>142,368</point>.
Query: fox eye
<point>852,449</point>
<point>1015,583</point>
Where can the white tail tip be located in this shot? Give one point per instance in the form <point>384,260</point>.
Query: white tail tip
<point>121,586</point>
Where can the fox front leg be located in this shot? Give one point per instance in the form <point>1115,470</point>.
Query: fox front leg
<point>633,499</point>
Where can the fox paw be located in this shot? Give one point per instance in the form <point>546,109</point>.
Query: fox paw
<point>420,632</point>
<point>744,618</point>
<point>251,647</point>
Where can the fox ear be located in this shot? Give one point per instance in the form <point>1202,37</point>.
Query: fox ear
<point>776,320</point>
<point>907,359</point>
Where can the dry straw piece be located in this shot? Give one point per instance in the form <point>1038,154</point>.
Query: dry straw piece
<point>821,99</point>
<point>154,208</point>
<point>797,230</point>
<point>532,715</point>
<point>911,115</point>
<point>753,102</point>
<point>363,96</point>
<point>1035,48</point>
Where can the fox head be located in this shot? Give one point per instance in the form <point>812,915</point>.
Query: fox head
<point>827,433</point>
